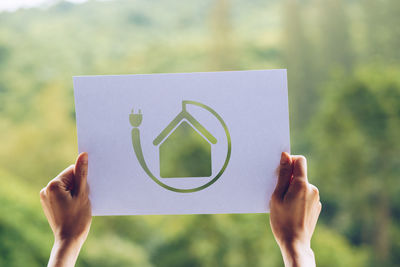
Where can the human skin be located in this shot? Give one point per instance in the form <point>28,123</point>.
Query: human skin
<point>294,210</point>
<point>66,205</point>
<point>294,206</point>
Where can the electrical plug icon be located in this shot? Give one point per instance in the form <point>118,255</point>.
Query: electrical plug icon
<point>135,119</point>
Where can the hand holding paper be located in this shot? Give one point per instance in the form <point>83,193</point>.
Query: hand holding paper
<point>67,208</point>
<point>295,208</point>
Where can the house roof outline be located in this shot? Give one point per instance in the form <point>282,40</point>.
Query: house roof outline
<point>184,115</point>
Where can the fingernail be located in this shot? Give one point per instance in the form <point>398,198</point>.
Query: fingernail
<point>284,159</point>
<point>84,158</point>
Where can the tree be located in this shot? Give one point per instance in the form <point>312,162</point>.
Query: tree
<point>300,65</point>
<point>355,139</point>
<point>335,40</point>
<point>382,35</point>
<point>222,49</point>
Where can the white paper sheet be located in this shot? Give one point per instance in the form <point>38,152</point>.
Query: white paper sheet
<point>252,105</point>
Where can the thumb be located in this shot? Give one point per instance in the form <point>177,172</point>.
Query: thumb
<point>80,171</point>
<point>284,176</point>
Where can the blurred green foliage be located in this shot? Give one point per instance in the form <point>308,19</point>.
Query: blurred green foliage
<point>344,88</point>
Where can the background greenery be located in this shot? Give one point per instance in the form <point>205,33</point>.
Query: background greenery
<point>343,63</point>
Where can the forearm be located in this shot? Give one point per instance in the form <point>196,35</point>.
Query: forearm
<point>64,253</point>
<point>297,255</point>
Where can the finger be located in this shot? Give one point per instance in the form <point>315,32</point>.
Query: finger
<point>284,176</point>
<point>56,188</point>
<point>42,194</point>
<point>81,170</point>
<point>314,192</point>
<point>62,182</point>
<point>299,168</point>
<point>66,178</point>
<point>319,207</point>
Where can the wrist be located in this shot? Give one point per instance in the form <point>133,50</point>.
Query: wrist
<point>69,242</point>
<point>64,252</point>
<point>297,254</point>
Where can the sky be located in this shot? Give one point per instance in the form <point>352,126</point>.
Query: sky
<point>12,5</point>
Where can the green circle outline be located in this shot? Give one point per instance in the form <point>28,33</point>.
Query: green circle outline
<point>139,154</point>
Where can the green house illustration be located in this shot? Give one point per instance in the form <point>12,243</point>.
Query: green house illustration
<point>185,148</point>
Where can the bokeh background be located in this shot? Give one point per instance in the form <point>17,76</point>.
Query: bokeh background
<point>343,62</point>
